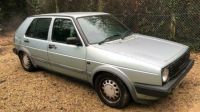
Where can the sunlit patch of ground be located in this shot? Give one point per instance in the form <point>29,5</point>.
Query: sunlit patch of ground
<point>47,91</point>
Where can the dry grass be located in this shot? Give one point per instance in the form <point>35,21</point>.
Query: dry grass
<point>50,92</point>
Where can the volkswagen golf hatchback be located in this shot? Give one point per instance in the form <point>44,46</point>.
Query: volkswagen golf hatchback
<point>96,48</point>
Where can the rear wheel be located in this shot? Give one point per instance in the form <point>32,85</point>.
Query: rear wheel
<point>112,90</point>
<point>26,62</point>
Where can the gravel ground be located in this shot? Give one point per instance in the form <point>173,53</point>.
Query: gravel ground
<point>51,92</point>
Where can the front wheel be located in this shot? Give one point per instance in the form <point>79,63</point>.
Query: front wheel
<point>112,90</point>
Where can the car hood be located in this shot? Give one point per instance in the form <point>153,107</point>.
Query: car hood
<point>145,48</point>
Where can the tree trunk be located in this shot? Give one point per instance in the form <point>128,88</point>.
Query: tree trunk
<point>173,26</point>
<point>57,8</point>
<point>101,6</point>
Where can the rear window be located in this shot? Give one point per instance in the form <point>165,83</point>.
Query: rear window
<point>39,28</point>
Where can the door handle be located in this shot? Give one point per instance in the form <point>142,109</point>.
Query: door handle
<point>26,40</point>
<point>51,46</point>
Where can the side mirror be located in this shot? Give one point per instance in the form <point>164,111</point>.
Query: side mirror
<point>73,41</point>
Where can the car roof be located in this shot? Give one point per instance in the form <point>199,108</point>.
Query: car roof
<point>74,14</point>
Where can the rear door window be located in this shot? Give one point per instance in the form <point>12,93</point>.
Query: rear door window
<point>39,28</point>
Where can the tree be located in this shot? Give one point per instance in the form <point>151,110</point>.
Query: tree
<point>56,5</point>
<point>0,17</point>
<point>12,13</point>
<point>34,6</point>
<point>1,13</point>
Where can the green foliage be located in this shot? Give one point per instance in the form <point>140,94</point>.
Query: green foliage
<point>1,14</point>
<point>9,7</point>
<point>176,20</point>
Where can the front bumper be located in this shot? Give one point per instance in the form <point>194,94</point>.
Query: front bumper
<point>160,91</point>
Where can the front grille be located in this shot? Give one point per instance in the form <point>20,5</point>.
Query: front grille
<point>179,65</point>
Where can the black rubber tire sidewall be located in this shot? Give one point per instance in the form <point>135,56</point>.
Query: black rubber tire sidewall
<point>125,96</point>
<point>31,68</point>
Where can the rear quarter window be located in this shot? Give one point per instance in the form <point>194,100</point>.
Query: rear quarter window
<point>39,28</point>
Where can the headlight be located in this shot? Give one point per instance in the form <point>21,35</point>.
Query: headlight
<point>165,75</point>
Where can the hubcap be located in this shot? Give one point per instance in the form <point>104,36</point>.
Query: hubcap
<point>111,90</point>
<point>26,61</point>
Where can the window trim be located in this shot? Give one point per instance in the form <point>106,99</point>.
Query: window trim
<point>36,24</point>
<point>76,29</point>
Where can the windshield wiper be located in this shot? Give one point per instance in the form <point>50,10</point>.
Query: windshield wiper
<point>128,33</point>
<point>109,38</point>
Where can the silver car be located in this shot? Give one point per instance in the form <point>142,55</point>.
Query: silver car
<point>96,48</point>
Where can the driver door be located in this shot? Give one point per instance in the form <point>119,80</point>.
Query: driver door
<point>67,57</point>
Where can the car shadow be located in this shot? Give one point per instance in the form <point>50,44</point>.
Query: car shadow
<point>169,101</point>
<point>66,78</point>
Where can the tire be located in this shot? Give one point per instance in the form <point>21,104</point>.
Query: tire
<point>111,90</point>
<point>26,62</point>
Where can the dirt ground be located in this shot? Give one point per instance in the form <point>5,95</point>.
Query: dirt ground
<point>50,92</point>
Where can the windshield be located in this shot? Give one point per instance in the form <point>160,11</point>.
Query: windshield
<point>99,28</point>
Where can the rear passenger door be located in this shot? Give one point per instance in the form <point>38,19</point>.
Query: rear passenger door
<point>35,41</point>
<point>67,57</point>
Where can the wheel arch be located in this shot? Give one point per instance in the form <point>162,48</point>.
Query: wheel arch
<point>24,50</point>
<point>116,72</point>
